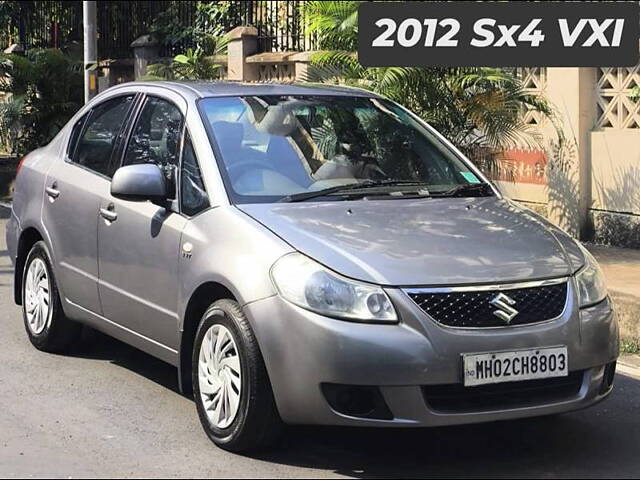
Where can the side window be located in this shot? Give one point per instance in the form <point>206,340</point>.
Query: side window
<point>100,134</point>
<point>156,138</point>
<point>75,135</point>
<point>193,196</point>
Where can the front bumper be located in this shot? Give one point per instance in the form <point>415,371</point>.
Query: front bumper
<point>304,351</point>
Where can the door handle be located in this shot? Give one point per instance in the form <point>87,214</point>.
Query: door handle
<point>108,213</point>
<point>53,191</point>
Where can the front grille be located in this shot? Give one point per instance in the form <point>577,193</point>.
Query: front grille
<point>472,309</point>
<point>457,398</point>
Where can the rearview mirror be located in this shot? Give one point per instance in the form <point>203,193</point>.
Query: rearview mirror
<point>139,183</point>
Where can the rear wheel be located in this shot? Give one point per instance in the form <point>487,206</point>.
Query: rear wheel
<point>231,387</point>
<point>48,329</point>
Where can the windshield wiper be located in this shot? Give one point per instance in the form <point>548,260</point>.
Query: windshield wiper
<point>468,190</point>
<point>301,197</point>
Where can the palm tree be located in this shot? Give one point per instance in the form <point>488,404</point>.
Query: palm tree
<point>480,109</point>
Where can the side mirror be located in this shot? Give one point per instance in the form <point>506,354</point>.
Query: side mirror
<point>139,183</point>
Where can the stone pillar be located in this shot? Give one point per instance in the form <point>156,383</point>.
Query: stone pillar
<point>302,61</point>
<point>146,50</point>
<point>243,42</point>
<point>114,72</point>
<point>571,92</point>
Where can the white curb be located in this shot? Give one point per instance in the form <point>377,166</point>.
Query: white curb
<point>627,369</point>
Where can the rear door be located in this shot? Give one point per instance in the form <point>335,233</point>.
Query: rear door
<point>75,187</point>
<point>139,250</point>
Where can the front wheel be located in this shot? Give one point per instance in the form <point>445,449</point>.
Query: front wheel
<point>231,387</point>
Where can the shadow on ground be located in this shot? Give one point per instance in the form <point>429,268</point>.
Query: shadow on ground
<point>594,442</point>
<point>98,346</point>
<point>577,444</point>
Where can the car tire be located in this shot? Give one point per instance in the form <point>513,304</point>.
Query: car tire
<point>49,330</point>
<point>247,423</point>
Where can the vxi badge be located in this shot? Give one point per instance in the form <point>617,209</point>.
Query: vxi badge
<point>498,33</point>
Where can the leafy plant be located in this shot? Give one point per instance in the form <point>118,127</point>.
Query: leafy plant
<point>334,22</point>
<point>46,90</point>
<point>170,29</point>
<point>480,109</point>
<point>630,345</point>
<point>194,64</point>
<point>212,20</point>
<point>11,113</point>
<point>15,74</point>
<point>9,11</point>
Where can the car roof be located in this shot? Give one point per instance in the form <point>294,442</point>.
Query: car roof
<point>200,89</point>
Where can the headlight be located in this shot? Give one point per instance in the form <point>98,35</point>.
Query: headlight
<point>590,280</point>
<point>309,285</point>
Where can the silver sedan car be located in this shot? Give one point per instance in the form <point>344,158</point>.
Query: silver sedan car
<point>304,255</point>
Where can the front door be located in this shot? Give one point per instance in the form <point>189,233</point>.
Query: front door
<point>139,242</point>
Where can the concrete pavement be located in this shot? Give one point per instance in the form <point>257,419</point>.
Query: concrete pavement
<point>108,410</point>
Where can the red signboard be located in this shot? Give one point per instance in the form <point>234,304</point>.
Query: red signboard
<point>524,166</point>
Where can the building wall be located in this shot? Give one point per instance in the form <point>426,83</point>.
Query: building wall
<point>589,154</point>
<point>615,163</point>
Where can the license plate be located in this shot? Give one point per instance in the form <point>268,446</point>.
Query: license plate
<point>499,367</point>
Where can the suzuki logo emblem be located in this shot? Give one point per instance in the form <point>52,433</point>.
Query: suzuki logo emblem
<point>505,311</point>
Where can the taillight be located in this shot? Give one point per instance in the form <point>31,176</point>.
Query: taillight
<point>20,163</point>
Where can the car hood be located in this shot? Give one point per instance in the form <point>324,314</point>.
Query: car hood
<point>445,241</point>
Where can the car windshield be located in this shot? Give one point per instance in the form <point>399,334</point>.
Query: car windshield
<point>274,147</point>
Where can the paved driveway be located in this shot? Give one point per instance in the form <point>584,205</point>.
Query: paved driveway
<point>111,411</point>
